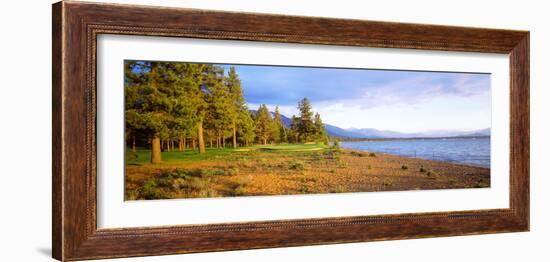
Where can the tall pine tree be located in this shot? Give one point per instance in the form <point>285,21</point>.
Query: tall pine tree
<point>319,129</point>
<point>279,129</point>
<point>151,96</point>
<point>305,126</point>
<point>246,127</point>
<point>263,124</point>
<point>220,107</point>
<point>238,109</point>
<point>294,132</point>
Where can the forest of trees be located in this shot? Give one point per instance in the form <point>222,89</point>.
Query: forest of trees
<point>173,106</point>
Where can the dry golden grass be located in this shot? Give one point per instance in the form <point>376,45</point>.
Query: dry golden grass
<point>315,171</point>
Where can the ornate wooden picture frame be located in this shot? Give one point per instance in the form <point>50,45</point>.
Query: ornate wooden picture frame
<point>76,26</point>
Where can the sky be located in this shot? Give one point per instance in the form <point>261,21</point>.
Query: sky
<point>403,101</point>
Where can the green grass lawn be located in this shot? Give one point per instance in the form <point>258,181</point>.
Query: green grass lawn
<point>189,155</point>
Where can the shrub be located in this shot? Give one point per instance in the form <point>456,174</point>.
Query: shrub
<point>245,163</point>
<point>431,175</point>
<point>212,193</point>
<point>404,167</point>
<point>481,184</point>
<point>422,169</point>
<point>244,181</point>
<point>180,172</point>
<point>196,184</point>
<point>306,179</point>
<point>240,187</point>
<point>239,191</point>
<point>149,190</point>
<point>334,149</point>
<point>333,154</point>
<point>335,145</point>
<point>205,173</point>
<point>372,154</point>
<point>326,141</point>
<point>179,183</point>
<point>207,193</point>
<point>303,189</point>
<point>262,162</point>
<point>131,194</point>
<point>183,173</point>
<point>315,156</point>
<point>359,154</point>
<point>232,171</point>
<point>342,164</point>
<point>338,189</point>
<point>164,181</point>
<point>297,165</point>
<point>387,183</point>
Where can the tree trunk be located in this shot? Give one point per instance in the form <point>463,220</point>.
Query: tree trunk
<point>184,143</point>
<point>211,142</point>
<point>202,150</point>
<point>155,149</point>
<point>265,141</point>
<point>172,145</point>
<point>223,141</point>
<point>180,143</point>
<point>218,141</point>
<point>134,144</point>
<point>234,135</point>
<point>194,145</point>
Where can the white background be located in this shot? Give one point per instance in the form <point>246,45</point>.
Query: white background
<point>114,212</point>
<point>25,106</point>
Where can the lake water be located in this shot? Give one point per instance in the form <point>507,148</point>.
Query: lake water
<point>470,151</point>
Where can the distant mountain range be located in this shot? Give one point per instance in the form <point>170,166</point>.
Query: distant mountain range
<point>375,133</point>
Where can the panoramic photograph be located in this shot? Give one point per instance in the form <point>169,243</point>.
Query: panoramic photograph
<point>203,130</point>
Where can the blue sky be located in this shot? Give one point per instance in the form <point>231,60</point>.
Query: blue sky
<point>405,101</point>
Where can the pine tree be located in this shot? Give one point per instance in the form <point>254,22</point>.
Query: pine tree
<point>263,124</point>
<point>238,109</point>
<point>215,97</point>
<point>280,133</point>
<point>186,88</point>
<point>305,126</point>
<point>149,102</point>
<point>220,105</point>
<point>294,133</point>
<point>275,134</point>
<point>319,129</point>
<point>246,127</point>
